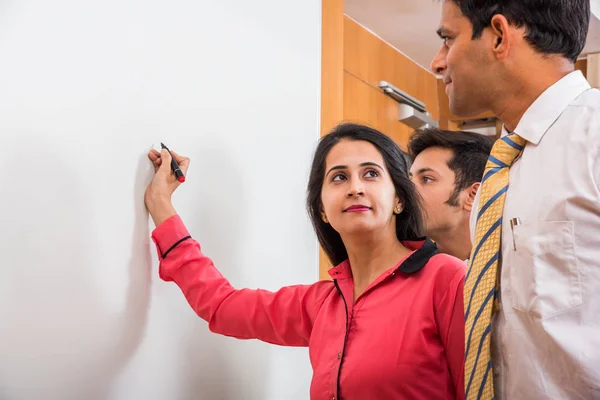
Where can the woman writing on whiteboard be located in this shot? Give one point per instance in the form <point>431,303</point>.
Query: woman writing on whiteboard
<point>389,325</point>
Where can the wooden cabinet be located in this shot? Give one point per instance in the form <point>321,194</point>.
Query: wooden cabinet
<point>368,60</point>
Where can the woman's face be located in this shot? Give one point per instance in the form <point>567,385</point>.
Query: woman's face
<point>358,195</point>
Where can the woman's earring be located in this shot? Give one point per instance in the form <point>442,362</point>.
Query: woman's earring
<point>398,209</point>
<point>324,218</point>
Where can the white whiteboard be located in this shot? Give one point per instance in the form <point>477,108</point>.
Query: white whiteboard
<point>86,88</point>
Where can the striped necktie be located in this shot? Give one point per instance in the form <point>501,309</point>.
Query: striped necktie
<point>481,282</point>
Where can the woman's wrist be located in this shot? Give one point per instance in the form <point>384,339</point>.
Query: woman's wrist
<point>161,210</point>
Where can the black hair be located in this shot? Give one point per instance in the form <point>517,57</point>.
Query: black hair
<point>409,223</point>
<point>552,26</point>
<point>470,153</point>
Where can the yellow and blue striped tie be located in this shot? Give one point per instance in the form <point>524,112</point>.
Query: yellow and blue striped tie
<point>481,282</point>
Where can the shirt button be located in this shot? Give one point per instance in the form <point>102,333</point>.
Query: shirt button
<point>339,358</point>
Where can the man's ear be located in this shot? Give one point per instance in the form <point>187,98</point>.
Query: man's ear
<point>471,193</point>
<point>502,40</point>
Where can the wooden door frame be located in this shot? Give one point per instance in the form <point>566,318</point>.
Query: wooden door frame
<point>332,80</point>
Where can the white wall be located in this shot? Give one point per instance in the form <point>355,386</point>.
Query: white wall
<point>86,88</point>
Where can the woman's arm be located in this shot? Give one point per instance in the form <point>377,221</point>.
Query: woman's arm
<point>284,317</point>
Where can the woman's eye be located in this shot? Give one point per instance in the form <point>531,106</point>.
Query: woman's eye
<point>338,177</point>
<point>427,179</point>
<point>371,174</point>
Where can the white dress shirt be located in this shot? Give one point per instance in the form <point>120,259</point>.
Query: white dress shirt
<point>546,332</point>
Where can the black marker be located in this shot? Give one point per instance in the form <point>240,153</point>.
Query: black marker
<point>174,166</point>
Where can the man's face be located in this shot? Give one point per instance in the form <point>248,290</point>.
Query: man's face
<point>436,184</point>
<point>463,63</point>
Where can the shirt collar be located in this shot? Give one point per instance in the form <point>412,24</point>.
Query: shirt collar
<point>546,109</point>
<point>422,251</point>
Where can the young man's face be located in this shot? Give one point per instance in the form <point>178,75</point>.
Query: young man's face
<point>436,184</point>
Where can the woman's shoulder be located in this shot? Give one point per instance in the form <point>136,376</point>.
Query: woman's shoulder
<point>448,276</point>
<point>447,266</point>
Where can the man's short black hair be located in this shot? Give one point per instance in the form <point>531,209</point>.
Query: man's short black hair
<point>470,153</point>
<point>552,26</point>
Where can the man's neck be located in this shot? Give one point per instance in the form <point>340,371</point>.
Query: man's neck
<point>525,88</point>
<point>456,242</point>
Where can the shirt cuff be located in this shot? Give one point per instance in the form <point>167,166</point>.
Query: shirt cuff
<point>168,235</point>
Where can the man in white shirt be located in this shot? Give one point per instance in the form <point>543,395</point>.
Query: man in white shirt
<point>446,169</point>
<point>516,58</point>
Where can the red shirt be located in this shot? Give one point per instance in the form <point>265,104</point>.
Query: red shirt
<point>403,338</point>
